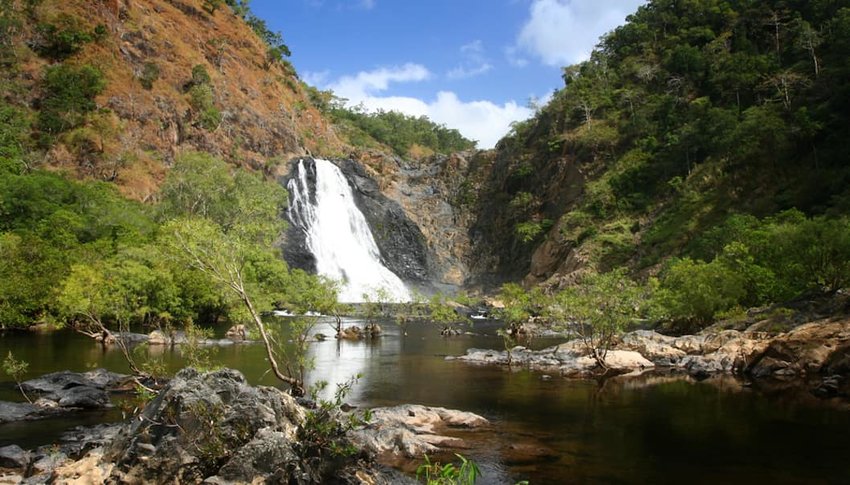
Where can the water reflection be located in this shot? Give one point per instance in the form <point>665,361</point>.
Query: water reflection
<point>651,428</point>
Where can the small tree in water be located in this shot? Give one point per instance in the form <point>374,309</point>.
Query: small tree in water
<point>599,308</point>
<point>16,369</point>
<point>227,234</point>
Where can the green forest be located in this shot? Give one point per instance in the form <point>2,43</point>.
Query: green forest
<point>712,138</point>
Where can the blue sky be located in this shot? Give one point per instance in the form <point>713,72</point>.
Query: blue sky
<point>469,64</point>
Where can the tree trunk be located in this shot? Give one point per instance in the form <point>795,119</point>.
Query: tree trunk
<point>295,384</point>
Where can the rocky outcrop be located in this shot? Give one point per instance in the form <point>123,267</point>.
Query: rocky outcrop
<point>179,337</point>
<point>817,348</point>
<point>65,391</point>
<point>728,351</point>
<point>199,424</point>
<point>215,428</point>
<point>568,360</point>
<point>412,431</point>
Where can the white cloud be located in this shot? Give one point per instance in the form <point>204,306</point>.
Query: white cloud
<point>474,63</point>
<point>315,78</point>
<point>563,32</point>
<point>366,82</point>
<point>479,120</point>
<point>367,4</point>
<point>483,121</point>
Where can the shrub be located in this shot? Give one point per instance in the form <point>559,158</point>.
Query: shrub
<point>14,127</point>
<point>200,76</point>
<point>61,39</point>
<point>601,306</point>
<point>201,99</point>
<point>530,230</point>
<point>69,94</point>
<point>150,74</point>
<point>694,291</point>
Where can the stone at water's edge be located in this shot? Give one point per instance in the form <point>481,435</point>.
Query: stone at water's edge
<point>820,348</point>
<point>569,359</point>
<point>817,348</point>
<point>411,431</point>
<point>63,392</point>
<point>13,457</point>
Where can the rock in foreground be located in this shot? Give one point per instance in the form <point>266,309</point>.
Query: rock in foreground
<point>206,425</point>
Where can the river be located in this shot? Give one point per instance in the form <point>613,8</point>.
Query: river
<point>648,429</point>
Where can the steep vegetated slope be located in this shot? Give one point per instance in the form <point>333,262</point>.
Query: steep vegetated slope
<point>685,128</point>
<point>111,110</point>
<point>116,89</point>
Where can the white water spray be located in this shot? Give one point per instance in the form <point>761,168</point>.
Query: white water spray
<point>338,236</point>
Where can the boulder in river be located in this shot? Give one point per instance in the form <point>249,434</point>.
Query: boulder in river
<point>412,431</point>
<point>68,389</point>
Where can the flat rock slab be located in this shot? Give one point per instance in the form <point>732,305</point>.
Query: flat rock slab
<point>21,411</point>
<point>567,359</point>
<point>77,390</point>
<point>412,430</point>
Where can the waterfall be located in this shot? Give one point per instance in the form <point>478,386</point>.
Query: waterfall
<point>338,235</point>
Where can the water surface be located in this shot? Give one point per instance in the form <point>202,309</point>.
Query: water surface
<point>649,429</point>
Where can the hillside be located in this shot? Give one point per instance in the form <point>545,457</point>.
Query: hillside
<point>252,111</point>
<point>684,122</point>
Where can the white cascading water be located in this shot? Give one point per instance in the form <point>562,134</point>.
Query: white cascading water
<point>338,236</point>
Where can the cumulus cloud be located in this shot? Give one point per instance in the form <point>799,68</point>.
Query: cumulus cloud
<point>474,62</point>
<point>563,32</point>
<point>480,120</point>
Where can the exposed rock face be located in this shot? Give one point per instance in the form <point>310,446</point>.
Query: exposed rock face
<point>411,430</point>
<point>817,348</point>
<point>295,250</point>
<point>202,425</point>
<point>434,192</point>
<point>401,243</point>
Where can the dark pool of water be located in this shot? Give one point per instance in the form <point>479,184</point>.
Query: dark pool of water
<point>648,429</point>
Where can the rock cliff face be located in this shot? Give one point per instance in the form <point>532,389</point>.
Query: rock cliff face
<point>402,245</point>
<point>436,194</point>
